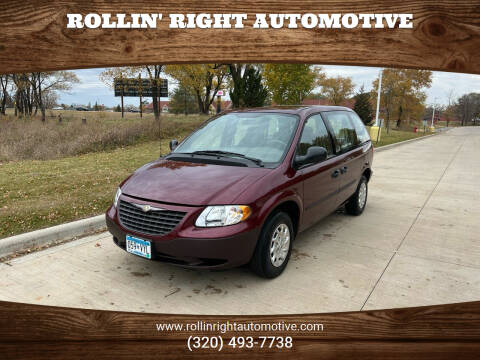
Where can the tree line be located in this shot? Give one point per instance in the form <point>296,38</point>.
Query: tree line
<point>30,93</point>
<point>403,96</point>
<point>255,85</point>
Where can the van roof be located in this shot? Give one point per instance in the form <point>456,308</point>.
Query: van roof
<point>293,109</point>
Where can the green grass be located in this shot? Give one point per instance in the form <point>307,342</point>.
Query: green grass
<point>395,136</point>
<point>38,194</point>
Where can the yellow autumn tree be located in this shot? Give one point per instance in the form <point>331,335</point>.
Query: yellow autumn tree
<point>203,80</point>
<point>337,89</point>
<point>403,94</point>
<point>290,84</point>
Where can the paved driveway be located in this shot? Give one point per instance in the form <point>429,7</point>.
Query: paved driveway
<point>417,243</point>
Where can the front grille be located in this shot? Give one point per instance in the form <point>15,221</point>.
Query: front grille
<point>151,222</point>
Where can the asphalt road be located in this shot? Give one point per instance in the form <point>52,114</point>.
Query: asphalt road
<point>417,243</point>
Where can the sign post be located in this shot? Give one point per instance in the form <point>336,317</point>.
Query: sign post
<point>122,99</point>
<point>219,101</point>
<point>141,90</point>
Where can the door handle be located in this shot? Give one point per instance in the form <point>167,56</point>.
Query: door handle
<point>335,173</point>
<point>344,169</point>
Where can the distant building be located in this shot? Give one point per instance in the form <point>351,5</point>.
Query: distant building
<point>165,105</point>
<point>162,105</point>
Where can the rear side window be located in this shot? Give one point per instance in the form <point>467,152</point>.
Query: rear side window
<point>362,133</point>
<point>343,130</point>
<point>314,134</point>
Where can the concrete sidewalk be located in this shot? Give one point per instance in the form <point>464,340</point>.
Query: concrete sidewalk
<point>416,244</point>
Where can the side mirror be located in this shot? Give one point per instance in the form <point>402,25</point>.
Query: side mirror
<point>315,154</point>
<point>173,144</point>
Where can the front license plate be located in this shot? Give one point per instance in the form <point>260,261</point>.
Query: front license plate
<point>139,247</point>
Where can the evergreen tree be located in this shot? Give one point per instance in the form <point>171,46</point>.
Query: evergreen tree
<point>363,107</point>
<point>183,101</point>
<point>248,90</point>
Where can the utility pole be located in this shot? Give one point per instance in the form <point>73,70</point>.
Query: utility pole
<point>378,98</point>
<point>433,113</point>
<point>122,102</point>
<point>141,90</point>
<point>123,87</point>
<point>432,128</point>
<point>375,129</point>
<point>185,99</point>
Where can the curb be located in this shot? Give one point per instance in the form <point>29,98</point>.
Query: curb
<point>80,228</point>
<point>76,229</point>
<point>390,146</point>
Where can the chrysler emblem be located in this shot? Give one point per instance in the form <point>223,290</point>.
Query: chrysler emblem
<point>146,208</point>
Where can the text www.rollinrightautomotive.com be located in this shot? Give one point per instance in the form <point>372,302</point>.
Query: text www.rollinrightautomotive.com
<point>233,326</point>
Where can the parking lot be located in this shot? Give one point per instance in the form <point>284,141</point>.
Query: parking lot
<point>417,243</point>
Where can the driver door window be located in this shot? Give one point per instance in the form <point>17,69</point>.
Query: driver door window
<point>314,134</point>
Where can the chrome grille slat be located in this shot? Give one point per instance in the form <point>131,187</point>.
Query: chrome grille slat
<point>150,223</point>
<point>146,224</point>
<point>148,219</point>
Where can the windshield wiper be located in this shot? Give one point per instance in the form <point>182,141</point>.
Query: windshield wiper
<point>229,154</point>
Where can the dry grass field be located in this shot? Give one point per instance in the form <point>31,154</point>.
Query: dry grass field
<point>31,139</point>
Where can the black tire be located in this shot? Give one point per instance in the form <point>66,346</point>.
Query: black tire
<point>261,262</point>
<point>353,205</point>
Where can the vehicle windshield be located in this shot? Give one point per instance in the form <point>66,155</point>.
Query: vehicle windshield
<point>262,136</point>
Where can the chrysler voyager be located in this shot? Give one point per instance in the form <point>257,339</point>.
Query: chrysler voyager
<point>240,188</point>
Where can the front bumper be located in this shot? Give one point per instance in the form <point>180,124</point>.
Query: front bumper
<point>233,247</point>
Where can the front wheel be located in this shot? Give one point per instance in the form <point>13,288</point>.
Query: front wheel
<point>356,204</point>
<point>274,246</point>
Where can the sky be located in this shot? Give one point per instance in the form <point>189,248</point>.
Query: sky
<point>91,89</point>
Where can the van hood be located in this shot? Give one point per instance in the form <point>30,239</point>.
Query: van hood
<point>194,184</point>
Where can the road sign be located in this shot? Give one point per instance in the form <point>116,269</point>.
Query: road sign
<point>140,87</point>
<point>220,93</point>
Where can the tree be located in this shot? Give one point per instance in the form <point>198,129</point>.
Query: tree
<point>337,89</point>
<point>450,108</point>
<point>3,92</point>
<point>154,72</point>
<point>247,89</point>
<point>96,107</point>
<point>183,101</point>
<point>468,108</point>
<point>117,108</point>
<point>23,97</point>
<point>363,106</point>
<point>45,82</point>
<point>203,80</point>
<point>403,93</point>
<point>290,83</point>
<point>50,99</point>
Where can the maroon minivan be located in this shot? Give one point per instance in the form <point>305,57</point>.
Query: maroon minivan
<point>241,187</point>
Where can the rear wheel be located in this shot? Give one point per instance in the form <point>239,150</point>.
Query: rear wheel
<point>356,204</point>
<point>274,246</point>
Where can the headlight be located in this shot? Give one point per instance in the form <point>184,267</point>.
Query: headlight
<point>223,215</point>
<point>117,196</point>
